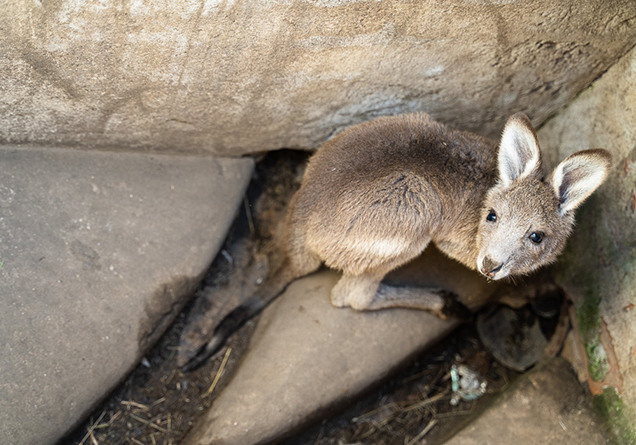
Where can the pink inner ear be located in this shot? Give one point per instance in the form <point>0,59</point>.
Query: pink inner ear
<point>519,154</point>
<point>576,178</point>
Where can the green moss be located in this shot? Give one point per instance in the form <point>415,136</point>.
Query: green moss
<point>597,363</point>
<point>588,313</point>
<point>589,321</point>
<point>618,418</point>
<point>582,268</point>
<point>595,266</point>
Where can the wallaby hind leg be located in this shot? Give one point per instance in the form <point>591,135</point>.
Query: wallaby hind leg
<point>361,290</point>
<point>298,262</point>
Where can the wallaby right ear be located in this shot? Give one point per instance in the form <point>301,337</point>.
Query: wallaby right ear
<point>519,154</point>
<point>578,176</point>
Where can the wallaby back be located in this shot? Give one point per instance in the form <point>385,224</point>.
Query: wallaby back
<point>383,189</point>
<point>374,196</point>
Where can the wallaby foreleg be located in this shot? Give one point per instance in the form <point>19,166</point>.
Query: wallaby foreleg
<point>437,301</point>
<point>366,292</point>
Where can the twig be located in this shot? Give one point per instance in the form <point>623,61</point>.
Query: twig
<point>370,413</point>
<point>425,402</point>
<point>423,433</point>
<point>418,375</point>
<point>455,413</point>
<point>135,404</point>
<point>218,374</point>
<point>250,221</point>
<point>370,431</point>
<point>157,402</point>
<point>150,424</point>
<point>109,423</point>
<point>92,428</point>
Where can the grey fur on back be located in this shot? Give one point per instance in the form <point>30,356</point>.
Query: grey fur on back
<point>397,180</point>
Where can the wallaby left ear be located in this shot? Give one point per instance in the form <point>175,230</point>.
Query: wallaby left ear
<point>578,176</point>
<point>519,154</point>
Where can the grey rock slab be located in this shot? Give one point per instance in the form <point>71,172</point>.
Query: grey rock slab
<point>545,406</point>
<point>98,251</point>
<point>307,358</point>
<point>234,77</point>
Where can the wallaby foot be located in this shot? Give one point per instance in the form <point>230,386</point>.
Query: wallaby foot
<point>290,270</point>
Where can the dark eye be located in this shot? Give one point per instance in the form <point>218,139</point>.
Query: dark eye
<point>492,216</point>
<point>536,237</point>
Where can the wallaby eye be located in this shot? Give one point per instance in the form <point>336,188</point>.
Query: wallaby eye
<point>536,237</point>
<point>492,216</point>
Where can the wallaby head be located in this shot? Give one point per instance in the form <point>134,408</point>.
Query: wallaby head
<point>526,218</point>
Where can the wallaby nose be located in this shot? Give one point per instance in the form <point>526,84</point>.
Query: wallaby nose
<point>490,267</point>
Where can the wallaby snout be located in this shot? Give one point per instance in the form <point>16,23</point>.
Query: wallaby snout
<point>490,267</point>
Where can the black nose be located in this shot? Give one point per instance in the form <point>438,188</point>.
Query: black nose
<point>490,267</point>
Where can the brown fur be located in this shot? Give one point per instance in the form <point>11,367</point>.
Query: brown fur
<point>374,196</point>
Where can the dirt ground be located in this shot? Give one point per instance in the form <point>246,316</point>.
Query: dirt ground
<point>158,403</point>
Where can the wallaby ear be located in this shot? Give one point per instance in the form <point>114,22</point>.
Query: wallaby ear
<point>519,154</point>
<point>578,176</point>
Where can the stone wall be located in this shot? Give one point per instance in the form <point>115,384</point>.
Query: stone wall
<point>598,268</point>
<point>232,77</point>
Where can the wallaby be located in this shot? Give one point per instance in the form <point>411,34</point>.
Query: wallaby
<point>373,197</point>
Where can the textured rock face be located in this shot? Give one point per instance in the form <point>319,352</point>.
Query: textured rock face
<point>233,77</point>
<point>599,266</point>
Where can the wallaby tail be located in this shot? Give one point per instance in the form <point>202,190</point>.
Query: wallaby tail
<point>238,317</point>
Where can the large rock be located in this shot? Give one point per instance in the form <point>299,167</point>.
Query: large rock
<point>237,76</point>
<point>308,359</point>
<point>599,267</point>
<point>546,406</point>
<point>97,254</point>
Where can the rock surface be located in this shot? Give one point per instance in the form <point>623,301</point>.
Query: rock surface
<point>308,359</point>
<point>546,406</point>
<point>98,252</point>
<point>237,76</point>
<point>598,268</point>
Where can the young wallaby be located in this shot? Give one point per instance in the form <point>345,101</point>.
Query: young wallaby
<point>376,195</point>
